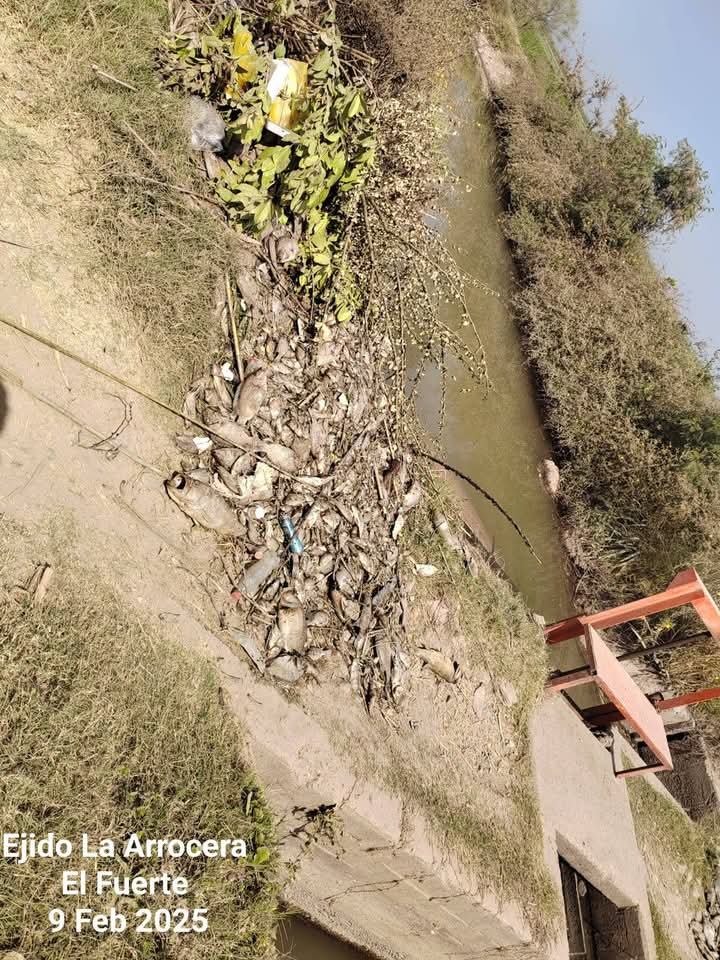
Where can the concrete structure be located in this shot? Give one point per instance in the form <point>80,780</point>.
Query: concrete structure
<point>586,814</point>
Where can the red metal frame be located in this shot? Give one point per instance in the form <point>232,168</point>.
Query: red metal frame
<point>607,713</point>
<point>628,700</point>
<point>687,587</point>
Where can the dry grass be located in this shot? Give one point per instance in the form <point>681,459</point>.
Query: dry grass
<point>109,729</point>
<point>665,833</point>
<point>465,766</point>
<point>157,248</point>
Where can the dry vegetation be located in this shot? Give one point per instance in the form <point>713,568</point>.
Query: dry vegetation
<point>157,247</point>
<point>463,763</point>
<point>629,398</point>
<point>108,728</point>
<point>163,250</point>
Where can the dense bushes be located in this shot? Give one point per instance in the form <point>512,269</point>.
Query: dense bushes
<point>629,400</point>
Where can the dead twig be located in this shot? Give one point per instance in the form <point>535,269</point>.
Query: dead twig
<point>109,76</point>
<point>488,496</point>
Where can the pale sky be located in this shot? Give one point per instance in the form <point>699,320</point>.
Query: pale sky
<point>663,55</point>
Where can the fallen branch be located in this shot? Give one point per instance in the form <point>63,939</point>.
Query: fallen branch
<point>139,391</point>
<point>488,496</point>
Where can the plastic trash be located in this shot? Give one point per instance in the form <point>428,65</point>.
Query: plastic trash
<point>295,544</point>
<point>245,62</point>
<point>286,87</point>
<point>257,573</point>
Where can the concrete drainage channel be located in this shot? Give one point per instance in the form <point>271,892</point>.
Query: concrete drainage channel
<point>597,929</point>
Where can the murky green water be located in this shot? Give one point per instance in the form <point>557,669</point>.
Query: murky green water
<point>497,438</point>
<point>300,940</point>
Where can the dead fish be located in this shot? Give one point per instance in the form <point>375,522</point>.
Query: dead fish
<point>226,457</point>
<point>271,592</point>
<point>399,675</point>
<point>365,618</point>
<point>217,483</point>
<point>320,618</point>
<point>316,654</point>
<point>362,645</point>
<point>358,405</point>
<point>286,668</point>
<point>258,486</point>
<point>201,474</point>
<point>301,449</point>
<point>383,653</point>
<point>344,511</point>
<point>250,645</point>
<point>227,478</point>
<point>412,497</point>
<point>384,593</point>
<point>356,677</point>
<point>255,534</point>
<point>291,623</point>
<point>203,505</point>
<point>391,474</point>
<point>441,666</point>
<point>345,607</point>
<point>190,403</point>
<point>344,581</point>
<point>445,533</point>
<point>256,574</point>
<point>235,435</point>
<point>550,476</point>
<point>276,408</point>
<point>326,354</point>
<point>279,456</point>
<point>250,395</point>
<point>286,436</point>
<point>243,465</point>
<point>185,442</point>
<point>318,437</point>
<point>222,388</point>
<point>212,400</point>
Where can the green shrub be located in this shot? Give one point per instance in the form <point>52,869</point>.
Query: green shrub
<point>629,400</point>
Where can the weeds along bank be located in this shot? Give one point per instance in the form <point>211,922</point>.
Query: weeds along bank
<point>629,399</point>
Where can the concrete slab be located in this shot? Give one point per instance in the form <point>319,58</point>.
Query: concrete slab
<point>586,814</point>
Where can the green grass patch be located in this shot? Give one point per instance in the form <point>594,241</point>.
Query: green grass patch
<point>535,47</point>
<point>109,729</point>
<point>666,833</point>
<point>664,946</point>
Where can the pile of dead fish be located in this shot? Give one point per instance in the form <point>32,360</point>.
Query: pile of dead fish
<point>299,476</point>
<point>705,925</point>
